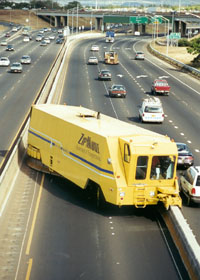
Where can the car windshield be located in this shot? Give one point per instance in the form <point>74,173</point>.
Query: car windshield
<point>153,109</point>
<point>162,84</point>
<point>182,147</point>
<point>118,88</point>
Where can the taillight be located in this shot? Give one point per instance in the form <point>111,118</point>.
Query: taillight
<point>163,115</point>
<point>193,191</point>
<point>143,114</point>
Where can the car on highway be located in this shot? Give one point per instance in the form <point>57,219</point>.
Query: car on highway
<point>16,67</point>
<point>93,60</point>
<point>139,55</point>
<point>10,48</point>
<point>185,157</point>
<point>160,86</point>
<point>14,29</point>
<point>151,110</point>
<point>94,48</point>
<point>7,34</point>
<point>117,91</point>
<point>52,37</point>
<point>60,31</point>
<point>26,59</point>
<point>26,39</point>
<point>59,40</point>
<point>39,37</point>
<point>4,61</point>
<point>43,43</point>
<point>190,184</point>
<point>104,75</point>
<point>4,43</point>
<point>47,40</point>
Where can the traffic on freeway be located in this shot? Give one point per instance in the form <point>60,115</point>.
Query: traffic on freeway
<point>70,236</point>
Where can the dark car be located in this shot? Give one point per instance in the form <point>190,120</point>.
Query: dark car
<point>104,75</point>
<point>10,48</point>
<point>117,91</point>
<point>59,40</point>
<point>185,157</point>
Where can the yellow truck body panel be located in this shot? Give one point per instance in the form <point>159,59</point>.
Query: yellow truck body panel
<point>85,146</point>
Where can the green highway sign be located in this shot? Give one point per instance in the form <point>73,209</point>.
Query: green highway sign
<point>175,36</point>
<point>142,20</point>
<point>156,20</point>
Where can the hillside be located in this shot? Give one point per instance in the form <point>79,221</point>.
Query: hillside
<point>23,18</point>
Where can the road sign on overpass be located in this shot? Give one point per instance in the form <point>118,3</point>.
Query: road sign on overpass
<point>116,19</point>
<point>138,19</point>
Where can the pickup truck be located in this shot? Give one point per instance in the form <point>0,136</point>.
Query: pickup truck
<point>160,87</point>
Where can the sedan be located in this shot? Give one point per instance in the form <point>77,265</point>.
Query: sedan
<point>4,43</point>
<point>51,37</point>
<point>104,75</point>
<point>93,60</point>
<point>16,67</point>
<point>26,39</point>
<point>94,48</point>
<point>4,61</point>
<point>59,41</point>
<point>9,48</point>
<point>185,157</point>
<point>139,55</point>
<point>26,59</point>
<point>43,43</point>
<point>117,91</point>
<point>47,40</point>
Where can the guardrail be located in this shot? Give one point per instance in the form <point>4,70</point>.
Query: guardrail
<point>185,240</point>
<point>175,62</point>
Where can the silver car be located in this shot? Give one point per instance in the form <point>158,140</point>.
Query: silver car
<point>92,60</point>
<point>16,67</point>
<point>139,55</point>
<point>26,59</point>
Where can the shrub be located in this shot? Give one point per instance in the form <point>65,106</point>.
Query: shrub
<point>183,43</point>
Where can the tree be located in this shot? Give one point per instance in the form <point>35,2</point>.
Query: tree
<point>194,48</point>
<point>73,4</point>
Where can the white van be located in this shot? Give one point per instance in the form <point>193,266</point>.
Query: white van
<point>151,110</point>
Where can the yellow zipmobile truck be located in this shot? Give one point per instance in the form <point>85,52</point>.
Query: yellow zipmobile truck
<point>111,57</point>
<point>122,163</point>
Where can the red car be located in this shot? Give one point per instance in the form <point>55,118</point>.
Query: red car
<point>160,87</point>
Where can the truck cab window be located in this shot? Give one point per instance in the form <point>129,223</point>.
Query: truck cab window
<point>127,154</point>
<point>162,167</point>
<point>141,168</point>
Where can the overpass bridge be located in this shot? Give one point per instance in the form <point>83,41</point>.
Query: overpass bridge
<point>178,22</point>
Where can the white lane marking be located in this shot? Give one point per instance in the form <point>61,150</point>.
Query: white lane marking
<point>141,76</point>
<point>189,141</point>
<point>120,75</point>
<point>196,150</point>
<point>163,77</point>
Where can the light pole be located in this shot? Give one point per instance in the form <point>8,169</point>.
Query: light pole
<point>77,19</point>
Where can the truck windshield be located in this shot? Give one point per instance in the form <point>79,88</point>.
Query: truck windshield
<point>162,167</point>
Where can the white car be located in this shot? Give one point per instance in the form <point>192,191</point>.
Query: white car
<point>26,39</point>
<point>94,48</point>
<point>47,40</point>
<point>139,55</point>
<point>190,184</point>
<point>151,110</point>
<point>4,43</point>
<point>16,67</point>
<point>26,59</point>
<point>4,61</point>
<point>38,38</point>
<point>51,37</point>
<point>93,60</point>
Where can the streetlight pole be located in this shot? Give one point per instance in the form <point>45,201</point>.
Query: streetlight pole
<point>77,19</point>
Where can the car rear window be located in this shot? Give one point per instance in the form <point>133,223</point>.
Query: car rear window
<point>153,109</point>
<point>161,84</point>
<point>198,181</point>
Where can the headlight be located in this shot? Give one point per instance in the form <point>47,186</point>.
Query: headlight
<point>152,193</point>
